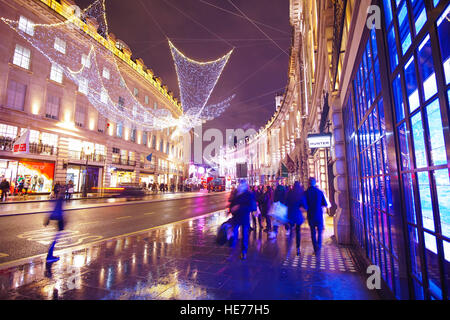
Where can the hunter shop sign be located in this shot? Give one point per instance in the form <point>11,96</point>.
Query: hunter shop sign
<point>22,144</point>
<point>322,140</point>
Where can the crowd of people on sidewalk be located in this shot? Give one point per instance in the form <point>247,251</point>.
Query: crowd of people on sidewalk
<point>277,206</point>
<point>65,189</point>
<point>164,187</point>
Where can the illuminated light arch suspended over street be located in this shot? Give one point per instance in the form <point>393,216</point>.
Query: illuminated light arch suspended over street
<point>196,81</point>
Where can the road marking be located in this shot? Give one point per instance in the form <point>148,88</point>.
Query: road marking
<point>2,255</point>
<point>149,213</point>
<point>124,217</point>
<point>86,223</point>
<point>98,241</point>
<point>66,238</point>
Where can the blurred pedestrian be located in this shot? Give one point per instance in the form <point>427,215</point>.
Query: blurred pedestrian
<point>279,195</point>
<point>265,205</point>
<point>56,215</point>
<point>254,214</point>
<point>242,204</point>
<point>26,186</point>
<point>315,201</point>
<point>4,187</point>
<point>69,190</point>
<point>294,200</point>
<point>20,187</point>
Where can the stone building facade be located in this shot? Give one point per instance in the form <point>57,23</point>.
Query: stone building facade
<point>69,138</point>
<point>375,75</point>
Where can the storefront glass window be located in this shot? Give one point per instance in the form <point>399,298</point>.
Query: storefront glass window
<point>49,139</point>
<point>8,131</point>
<point>437,142</point>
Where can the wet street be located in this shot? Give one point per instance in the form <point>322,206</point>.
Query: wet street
<point>178,260</point>
<point>87,221</point>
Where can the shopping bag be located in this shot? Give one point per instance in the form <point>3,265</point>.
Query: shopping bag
<point>225,232</point>
<point>279,213</point>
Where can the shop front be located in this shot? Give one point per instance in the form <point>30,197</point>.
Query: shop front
<point>148,179</point>
<point>39,175</point>
<point>77,174</point>
<point>121,176</point>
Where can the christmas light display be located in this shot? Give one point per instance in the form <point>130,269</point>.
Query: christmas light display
<point>196,81</point>
<point>85,59</point>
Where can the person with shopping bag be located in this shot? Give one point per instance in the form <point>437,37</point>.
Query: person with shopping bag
<point>279,210</point>
<point>242,204</point>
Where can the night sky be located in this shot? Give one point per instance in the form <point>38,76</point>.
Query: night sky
<point>257,69</point>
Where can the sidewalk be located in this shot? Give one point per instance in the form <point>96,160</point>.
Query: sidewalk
<point>32,207</point>
<point>182,261</point>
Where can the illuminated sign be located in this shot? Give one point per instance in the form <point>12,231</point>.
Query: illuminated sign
<point>319,140</point>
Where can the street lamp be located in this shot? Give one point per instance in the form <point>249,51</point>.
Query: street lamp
<point>87,150</point>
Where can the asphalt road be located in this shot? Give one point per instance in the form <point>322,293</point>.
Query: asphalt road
<point>24,236</point>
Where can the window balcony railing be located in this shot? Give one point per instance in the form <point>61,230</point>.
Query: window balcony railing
<point>79,155</point>
<point>124,161</point>
<point>43,149</point>
<point>6,144</point>
<point>148,166</point>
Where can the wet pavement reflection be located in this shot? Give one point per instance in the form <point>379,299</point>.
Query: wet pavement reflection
<point>11,208</point>
<point>182,261</point>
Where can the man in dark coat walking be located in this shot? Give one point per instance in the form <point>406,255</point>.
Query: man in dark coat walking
<point>242,204</point>
<point>315,201</point>
<point>294,200</point>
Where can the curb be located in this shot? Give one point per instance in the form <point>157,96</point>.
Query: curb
<point>29,260</point>
<point>52,200</point>
<point>109,205</point>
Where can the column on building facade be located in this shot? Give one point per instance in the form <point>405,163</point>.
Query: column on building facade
<point>62,160</point>
<point>108,164</point>
<point>342,216</point>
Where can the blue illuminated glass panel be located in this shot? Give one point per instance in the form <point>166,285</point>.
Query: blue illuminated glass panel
<point>443,193</point>
<point>412,91</point>
<point>443,26</point>
<point>447,253</point>
<point>419,142</point>
<point>415,252</point>
<point>399,109</point>
<point>403,23</point>
<point>420,14</point>
<point>425,200</point>
<point>387,11</point>
<point>409,198</point>
<point>437,142</point>
<point>404,150</point>
<point>392,46</point>
<point>426,68</point>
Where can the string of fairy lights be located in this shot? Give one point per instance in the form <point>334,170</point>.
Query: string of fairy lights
<point>97,74</point>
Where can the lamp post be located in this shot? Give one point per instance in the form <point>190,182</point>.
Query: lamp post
<point>87,150</point>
